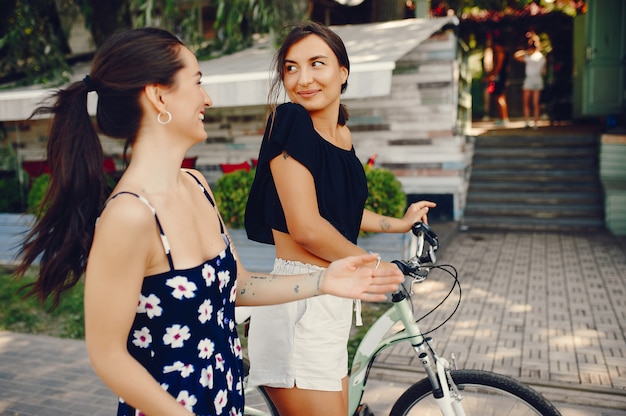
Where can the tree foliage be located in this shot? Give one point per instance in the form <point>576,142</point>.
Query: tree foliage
<point>33,44</point>
<point>34,33</point>
<point>238,20</point>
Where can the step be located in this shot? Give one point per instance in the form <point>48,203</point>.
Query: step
<point>540,176</point>
<point>569,141</point>
<point>573,225</point>
<point>536,153</point>
<point>588,187</point>
<point>538,164</point>
<point>532,210</point>
<point>550,198</point>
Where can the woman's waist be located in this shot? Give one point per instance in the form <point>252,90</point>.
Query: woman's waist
<point>289,250</point>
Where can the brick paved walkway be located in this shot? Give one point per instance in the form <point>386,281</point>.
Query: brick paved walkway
<point>549,309</point>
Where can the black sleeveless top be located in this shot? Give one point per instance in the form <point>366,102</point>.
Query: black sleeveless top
<point>338,174</point>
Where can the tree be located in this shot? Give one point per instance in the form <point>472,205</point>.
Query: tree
<point>238,20</point>
<point>33,44</point>
<point>103,18</point>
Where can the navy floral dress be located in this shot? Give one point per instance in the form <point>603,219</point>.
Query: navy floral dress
<point>184,333</point>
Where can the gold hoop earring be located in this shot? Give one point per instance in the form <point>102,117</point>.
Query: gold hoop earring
<point>169,118</point>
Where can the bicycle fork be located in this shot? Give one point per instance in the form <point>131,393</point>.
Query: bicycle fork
<point>445,391</point>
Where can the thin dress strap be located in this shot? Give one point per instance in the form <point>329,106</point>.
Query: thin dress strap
<point>164,241</point>
<point>208,196</point>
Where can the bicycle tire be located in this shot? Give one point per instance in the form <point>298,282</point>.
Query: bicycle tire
<point>485,393</point>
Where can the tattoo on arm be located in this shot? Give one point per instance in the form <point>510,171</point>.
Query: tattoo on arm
<point>285,155</point>
<point>319,275</point>
<point>250,283</point>
<point>252,277</point>
<point>384,224</point>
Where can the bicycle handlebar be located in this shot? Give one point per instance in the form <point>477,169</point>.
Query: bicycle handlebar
<point>415,266</point>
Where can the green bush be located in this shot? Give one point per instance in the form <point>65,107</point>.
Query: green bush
<point>11,196</point>
<point>37,193</point>
<point>386,196</point>
<point>231,194</point>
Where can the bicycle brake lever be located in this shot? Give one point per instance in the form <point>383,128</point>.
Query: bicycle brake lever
<point>428,233</point>
<point>404,267</point>
<point>414,271</point>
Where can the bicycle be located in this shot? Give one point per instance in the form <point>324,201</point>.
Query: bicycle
<point>445,390</point>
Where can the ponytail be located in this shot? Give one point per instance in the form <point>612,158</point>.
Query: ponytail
<point>122,67</point>
<point>61,238</point>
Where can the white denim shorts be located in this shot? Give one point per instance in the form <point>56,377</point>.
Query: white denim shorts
<point>301,343</point>
<point>533,83</point>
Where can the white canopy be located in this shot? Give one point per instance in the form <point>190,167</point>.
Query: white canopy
<point>242,79</point>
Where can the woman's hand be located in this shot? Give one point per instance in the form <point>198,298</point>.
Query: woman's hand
<point>417,212</point>
<point>360,277</point>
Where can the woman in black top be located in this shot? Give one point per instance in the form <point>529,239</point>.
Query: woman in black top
<point>308,199</point>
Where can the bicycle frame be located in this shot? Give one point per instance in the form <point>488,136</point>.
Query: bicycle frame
<point>376,340</point>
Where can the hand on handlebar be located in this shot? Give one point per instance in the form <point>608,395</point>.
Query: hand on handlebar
<point>417,212</point>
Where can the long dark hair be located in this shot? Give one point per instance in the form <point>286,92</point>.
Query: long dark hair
<point>296,34</point>
<point>62,237</point>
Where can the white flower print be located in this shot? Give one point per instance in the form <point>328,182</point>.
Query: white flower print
<point>206,377</point>
<point>149,305</point>
<point>234,412</point>
<point>176,336</point>
<point>142,337</point>
<point>219,362</point>
<point>220,318</point>
<point>224,277</point>
<point>206,348</point>
<point>187,400</point>
<point>229,380</point>
<point>182,287</point>
<point>235,345</point>
<point>208,273</point>
<point>233,293</point>
<point>185,369</point>
<point>220,401</point>
<point>205,310</point>
<point>177,366</point>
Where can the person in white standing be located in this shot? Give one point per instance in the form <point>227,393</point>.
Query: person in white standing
<point>535,62</point>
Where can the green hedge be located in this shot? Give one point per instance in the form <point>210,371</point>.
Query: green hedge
<point>386,196</point>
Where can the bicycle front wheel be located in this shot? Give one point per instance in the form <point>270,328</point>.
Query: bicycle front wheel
<point>484,393</point>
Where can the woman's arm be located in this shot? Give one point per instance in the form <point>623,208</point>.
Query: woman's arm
<point>352,277</point>
<point>520,56</point>
<point>416,212</point>
<point>123,244</point>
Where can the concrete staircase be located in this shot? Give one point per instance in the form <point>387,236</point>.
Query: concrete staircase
<point>535,180</point>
